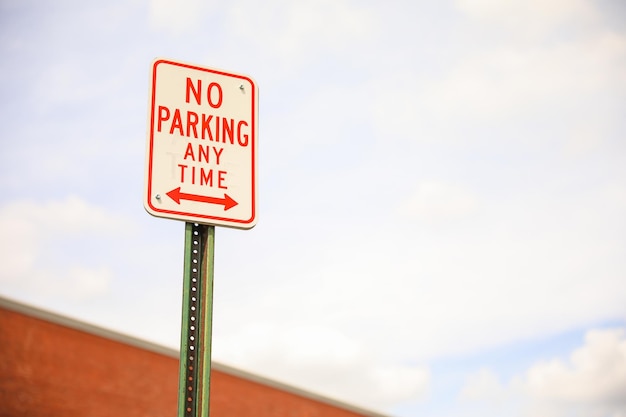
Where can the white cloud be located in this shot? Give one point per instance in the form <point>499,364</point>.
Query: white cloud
<point>176,16</point>
<point>329,118</point>
<point>507,88</point>
<point>67,82</point>
<point>506,81</point>
<point>594,375</point>
<point>530,17</point>
<point>591,382</point>
<point>33,232</point>
<point>295,31</point>
<point>502,270</point>
<point>74,283</point>
<point>73,215</point>
<point>439,202</point>
<point>334,364</point>
<point>395,384</point>
<point>483,385</point>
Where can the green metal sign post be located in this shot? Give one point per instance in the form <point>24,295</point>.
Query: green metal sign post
<point>195,343</point>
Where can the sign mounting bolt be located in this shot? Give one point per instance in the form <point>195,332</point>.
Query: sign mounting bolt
<point>241,87</point>
<point>158,196</point>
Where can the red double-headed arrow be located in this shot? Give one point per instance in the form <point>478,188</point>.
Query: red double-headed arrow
<point>227,202</point>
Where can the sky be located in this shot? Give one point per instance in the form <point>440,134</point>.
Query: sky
<point>442,193</point>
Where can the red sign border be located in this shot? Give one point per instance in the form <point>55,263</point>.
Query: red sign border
<point>195,217</point>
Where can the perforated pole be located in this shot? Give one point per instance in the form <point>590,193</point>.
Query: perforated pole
<point>195,343</point>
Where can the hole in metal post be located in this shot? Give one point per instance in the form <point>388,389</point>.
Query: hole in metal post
<point>193,306</point>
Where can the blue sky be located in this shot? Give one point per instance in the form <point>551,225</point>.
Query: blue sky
<point>442,193</point>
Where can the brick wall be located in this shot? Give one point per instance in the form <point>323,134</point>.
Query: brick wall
<point>61,368</point>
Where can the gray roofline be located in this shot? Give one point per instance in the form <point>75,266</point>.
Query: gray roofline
<point>62,320</point>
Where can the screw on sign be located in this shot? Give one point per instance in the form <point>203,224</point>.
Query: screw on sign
<point>201,158</point>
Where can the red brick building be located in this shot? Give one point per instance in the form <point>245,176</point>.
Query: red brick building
<point>53,366</point>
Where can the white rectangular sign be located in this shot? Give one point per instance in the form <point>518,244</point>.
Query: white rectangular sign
<point>201,157</point>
